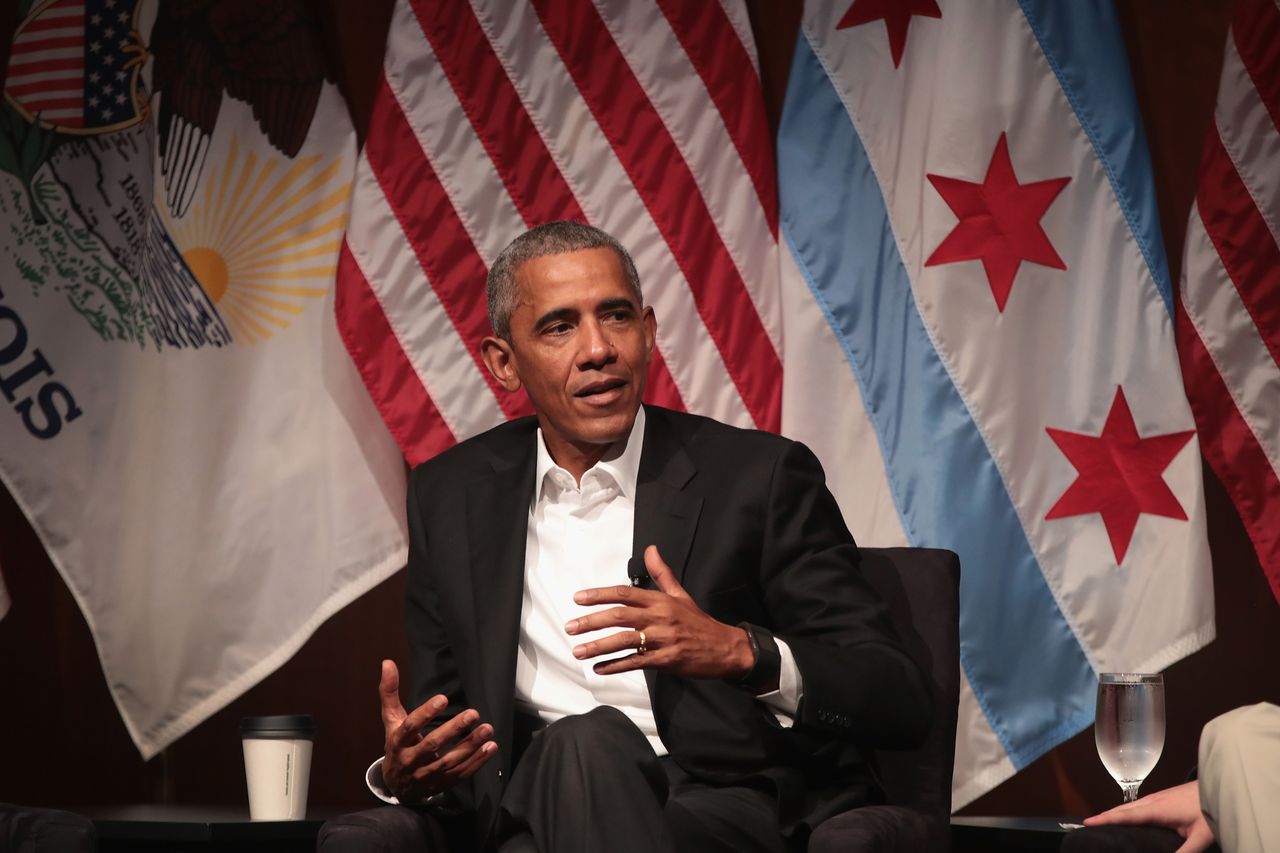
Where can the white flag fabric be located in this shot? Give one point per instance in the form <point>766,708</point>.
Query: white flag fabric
<point>185,430</point>
<point>967,200</point>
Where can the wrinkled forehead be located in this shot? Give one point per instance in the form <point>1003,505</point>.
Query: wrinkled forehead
<point>578,278</point>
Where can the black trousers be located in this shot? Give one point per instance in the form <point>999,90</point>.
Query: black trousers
<point>592,783</point>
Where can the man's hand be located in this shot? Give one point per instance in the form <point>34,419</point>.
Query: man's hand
<point>678,636</point>
<point>1177,808</point>
<point>415,766</point>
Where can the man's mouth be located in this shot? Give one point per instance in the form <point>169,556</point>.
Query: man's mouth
<point>604,391</point>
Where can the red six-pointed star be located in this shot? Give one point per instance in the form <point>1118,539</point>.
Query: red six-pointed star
<point>896,15</point>
<point>999,222</point>
<point>1120,474</point>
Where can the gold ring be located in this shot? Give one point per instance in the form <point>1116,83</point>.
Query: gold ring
<point>642,648</point>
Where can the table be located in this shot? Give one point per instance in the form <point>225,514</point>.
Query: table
<point>998,834</point>
<point>207,829</point>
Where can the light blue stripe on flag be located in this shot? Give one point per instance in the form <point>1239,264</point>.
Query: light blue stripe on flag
<point>1083,44</point>
<point>1024,663</point>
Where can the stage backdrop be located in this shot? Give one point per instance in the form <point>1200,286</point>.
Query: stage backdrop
<point>1172,54</point>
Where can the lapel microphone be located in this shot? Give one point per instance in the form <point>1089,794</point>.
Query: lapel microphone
<point>638,574</point>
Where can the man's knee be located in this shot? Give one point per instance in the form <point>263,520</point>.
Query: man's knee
<point>599,731</point>
<point>1236,732</point>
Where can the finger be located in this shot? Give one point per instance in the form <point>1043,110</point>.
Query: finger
<point>477,760</point>
<point>612,595</point>
<point>614,617</point>
<point>389,694</point>
<point>436,742</point>
<point>410,729</point>
<point>1142,810</point>
<point>662,574</point>
<point>462,751</point>
<point>621,641</point>
<point>626,664</point>
<point>1198,839</point>
<point>1119,814</point>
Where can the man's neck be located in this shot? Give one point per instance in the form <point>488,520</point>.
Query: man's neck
<point>578,458</point>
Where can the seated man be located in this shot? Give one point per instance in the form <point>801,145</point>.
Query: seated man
<point>726,697</point>
<point>1234,799</point>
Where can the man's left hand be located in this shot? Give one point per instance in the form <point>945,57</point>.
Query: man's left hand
<point>678,636</point>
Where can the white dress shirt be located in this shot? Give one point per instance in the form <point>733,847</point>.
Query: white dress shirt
<point>579,536</point>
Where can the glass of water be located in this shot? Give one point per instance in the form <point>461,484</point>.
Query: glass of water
<point>1129,726</point>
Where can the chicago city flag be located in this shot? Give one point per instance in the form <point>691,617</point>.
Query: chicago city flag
<point>970,229</point>
<point>181,423</point>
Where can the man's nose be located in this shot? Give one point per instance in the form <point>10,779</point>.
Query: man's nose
<point>597,346</point>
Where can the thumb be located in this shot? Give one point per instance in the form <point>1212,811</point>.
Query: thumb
<point>389,693</point>
<point>662,574</point>
<point>1198,839</point>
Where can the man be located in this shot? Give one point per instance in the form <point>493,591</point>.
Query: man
<point>729,704</point>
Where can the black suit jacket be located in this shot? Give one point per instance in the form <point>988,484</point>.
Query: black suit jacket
<point>747,525</point>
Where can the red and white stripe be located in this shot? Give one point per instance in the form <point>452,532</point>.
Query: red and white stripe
<point>1228,321</point>
<point>645,119</point>
<point>46,65</point>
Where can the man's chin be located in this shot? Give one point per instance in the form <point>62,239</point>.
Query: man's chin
<point>605,426</point>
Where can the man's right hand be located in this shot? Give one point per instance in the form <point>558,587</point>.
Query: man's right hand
<point>416,766</point>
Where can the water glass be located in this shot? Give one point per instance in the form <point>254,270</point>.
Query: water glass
<point>1129,726</point>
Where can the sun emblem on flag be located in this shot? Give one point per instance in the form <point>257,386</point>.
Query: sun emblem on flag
<point>262,236</point>
<point>158,171</point>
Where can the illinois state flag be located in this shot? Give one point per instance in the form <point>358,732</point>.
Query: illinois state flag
<point>974,254</point>
<point>181,423</point>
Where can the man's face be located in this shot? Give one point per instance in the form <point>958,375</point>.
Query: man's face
<point>580,345</point>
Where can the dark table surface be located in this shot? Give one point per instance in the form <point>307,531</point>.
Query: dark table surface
<point>199,828</point>
<point>997,834</point>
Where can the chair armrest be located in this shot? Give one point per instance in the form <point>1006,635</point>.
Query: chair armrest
<point>1124,839</point>
<point>386,829</point>
<point>882,829</point>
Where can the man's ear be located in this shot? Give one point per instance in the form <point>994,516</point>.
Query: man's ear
<point>650,321</point>
<point>501,361</point>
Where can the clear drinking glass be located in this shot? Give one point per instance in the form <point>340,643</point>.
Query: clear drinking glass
<point>1129,726</point>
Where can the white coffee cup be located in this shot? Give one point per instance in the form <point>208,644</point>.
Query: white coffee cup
<point>277,765</point>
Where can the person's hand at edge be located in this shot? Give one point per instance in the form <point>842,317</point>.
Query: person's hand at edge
<point>417,766</point>
<point>1177,808</point>
<point>678,635</point>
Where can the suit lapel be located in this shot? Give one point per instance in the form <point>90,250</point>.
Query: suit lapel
<point>665,514</point>
<point>498,521</point>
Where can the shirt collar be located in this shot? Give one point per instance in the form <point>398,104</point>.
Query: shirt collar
<point>621,461</point>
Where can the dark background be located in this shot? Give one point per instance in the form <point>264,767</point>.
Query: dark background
<point>62,742</point>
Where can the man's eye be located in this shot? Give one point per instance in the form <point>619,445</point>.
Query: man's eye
<point>556,329</point>
<point>620,316</point>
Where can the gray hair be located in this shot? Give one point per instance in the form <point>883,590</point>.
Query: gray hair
<point>551,238</point>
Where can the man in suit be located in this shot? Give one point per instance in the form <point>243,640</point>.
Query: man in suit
<point>725,697</point>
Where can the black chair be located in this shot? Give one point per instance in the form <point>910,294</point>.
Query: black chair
<point>922,589</point>
<point>30,830</point>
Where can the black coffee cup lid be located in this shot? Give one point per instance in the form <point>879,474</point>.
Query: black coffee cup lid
<point>279,727</point>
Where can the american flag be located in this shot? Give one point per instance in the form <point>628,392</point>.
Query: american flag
<point>1228,320</point>
<point>74,65</point>
<point>645,119</point>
